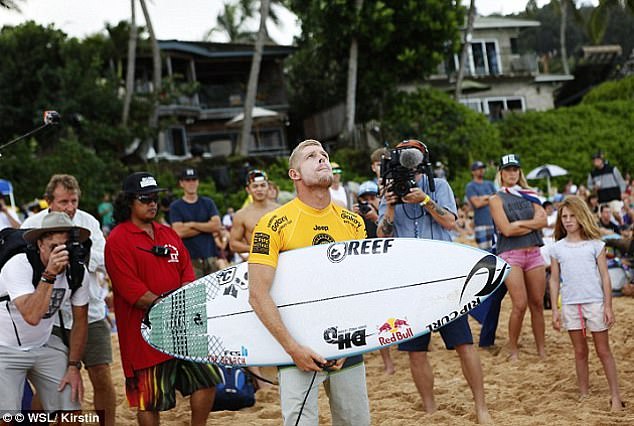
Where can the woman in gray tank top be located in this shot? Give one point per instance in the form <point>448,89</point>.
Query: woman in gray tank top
<point>519,218</point>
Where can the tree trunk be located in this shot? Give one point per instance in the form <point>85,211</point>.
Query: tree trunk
<point>129,79</point>
<point>563,6</point>
<point>465,49</point>
<point>351,90</point>
<point>156,78</point>
<point>252,87</point>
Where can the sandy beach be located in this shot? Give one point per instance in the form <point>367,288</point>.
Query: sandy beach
<point>527,392</point>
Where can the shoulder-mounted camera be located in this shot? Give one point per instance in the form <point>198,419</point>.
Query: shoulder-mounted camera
<point>399,168</point>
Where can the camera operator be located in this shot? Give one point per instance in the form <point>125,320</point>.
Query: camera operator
<point>27,345</point>
<point>62,194</point>
<point>428,210</point>
<point>367,206</point>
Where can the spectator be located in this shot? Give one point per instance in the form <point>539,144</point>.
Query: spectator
<point>8,218</point>
<point>338,191</point>
<point>195,218</point>
<point>139,274</point>
<point>608,183</point>
<point>105,209</point>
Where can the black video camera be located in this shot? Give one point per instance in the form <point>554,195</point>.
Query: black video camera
<point>78,258</point>
<point>398,171</point>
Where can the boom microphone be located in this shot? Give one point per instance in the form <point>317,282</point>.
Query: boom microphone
<point>410,158</point>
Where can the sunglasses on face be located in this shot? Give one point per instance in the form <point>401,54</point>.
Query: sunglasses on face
<point>147,199</point>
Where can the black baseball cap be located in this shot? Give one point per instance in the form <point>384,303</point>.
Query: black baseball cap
<point>140,183</point>
<point>509,160</point>
<point>477,165</point>
<point>188,173</point>
<point>256,175</point>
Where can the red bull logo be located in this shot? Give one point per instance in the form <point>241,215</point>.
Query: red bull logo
<point>394,330</point>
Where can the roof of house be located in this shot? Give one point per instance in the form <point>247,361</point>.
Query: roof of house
<point>222,50</point>
<point>489,22</point>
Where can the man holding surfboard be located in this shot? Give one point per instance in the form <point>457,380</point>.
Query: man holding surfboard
<point>310,219</point>
<point>428,210</point>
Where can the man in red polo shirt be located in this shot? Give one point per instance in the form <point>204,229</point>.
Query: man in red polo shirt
<point>144,260</point>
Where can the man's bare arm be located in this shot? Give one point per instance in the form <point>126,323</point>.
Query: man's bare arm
<point>237,236</point>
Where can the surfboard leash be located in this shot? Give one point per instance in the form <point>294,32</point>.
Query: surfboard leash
<point>299,416</point>
<point>257,376</point>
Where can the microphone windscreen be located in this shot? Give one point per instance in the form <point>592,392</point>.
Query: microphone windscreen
<point>410,158</point>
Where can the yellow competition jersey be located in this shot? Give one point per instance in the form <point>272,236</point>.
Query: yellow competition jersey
<point>296,225</point>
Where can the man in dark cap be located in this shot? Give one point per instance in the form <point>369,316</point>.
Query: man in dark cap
<point>34,286</point>
<point>195,219</point>
<point>608,183</point>
<point>144,260</point>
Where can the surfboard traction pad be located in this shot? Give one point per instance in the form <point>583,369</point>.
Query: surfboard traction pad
<point>185,336</point>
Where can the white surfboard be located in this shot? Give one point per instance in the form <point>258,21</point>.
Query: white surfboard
<point>340,299</point>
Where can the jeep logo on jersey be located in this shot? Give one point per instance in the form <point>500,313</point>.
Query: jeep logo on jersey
<point>322,239</point>
<point>320,228</point>
<point>337,252</point>
<point>345,339</point>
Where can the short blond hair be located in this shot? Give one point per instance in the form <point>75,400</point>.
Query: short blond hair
<point>293,160</point>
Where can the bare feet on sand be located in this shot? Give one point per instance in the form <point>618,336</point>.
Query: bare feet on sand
<point>484,418</point>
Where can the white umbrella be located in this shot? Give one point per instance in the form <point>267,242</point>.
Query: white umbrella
<point>546,171</point>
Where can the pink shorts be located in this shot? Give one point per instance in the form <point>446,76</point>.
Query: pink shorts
<point>526,259</point>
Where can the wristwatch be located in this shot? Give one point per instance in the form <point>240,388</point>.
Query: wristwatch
<point>76,364</point>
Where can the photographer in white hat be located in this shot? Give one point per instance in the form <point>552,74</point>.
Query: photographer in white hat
<point>34,285</point>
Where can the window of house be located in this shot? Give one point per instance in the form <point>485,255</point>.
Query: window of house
<point>485,58</point>
<point>495,108</point>
<point>515,50</point>
<point>474,104</point>
<point>176,141</point>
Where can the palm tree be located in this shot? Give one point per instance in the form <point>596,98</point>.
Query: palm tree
<point>252,87</point>
<point>129,79</point>
<point>351,90</point>
<point>231,22</point>
<point>465,49</point>
<point>598,23</point>
<point>156,76</point>
<point>565,6</point>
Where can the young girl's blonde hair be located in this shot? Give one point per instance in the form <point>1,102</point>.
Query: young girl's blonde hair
<point>585,218</point>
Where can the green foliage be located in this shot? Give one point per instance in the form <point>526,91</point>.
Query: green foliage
<point>454,134</point>
<point>398,41</point>
<point>611,91</point>
<point>355,164</point>
<point>568,136</point>
<point>30,172</point>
